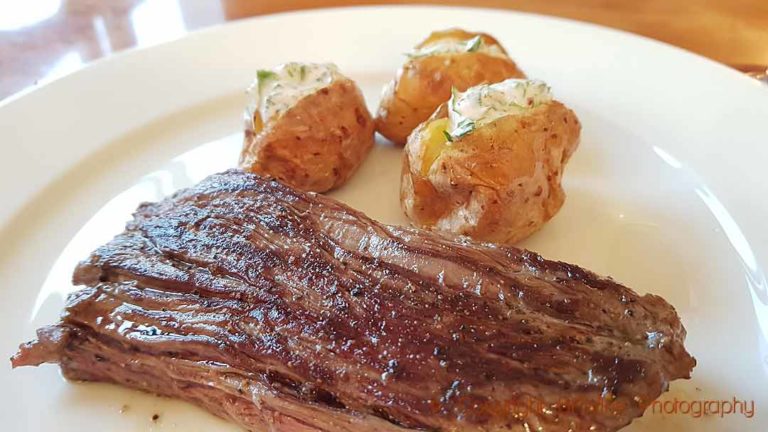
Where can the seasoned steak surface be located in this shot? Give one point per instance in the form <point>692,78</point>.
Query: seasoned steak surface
<point>286,311</point>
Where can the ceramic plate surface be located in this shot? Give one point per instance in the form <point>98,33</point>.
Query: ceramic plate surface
<point>668,192</point>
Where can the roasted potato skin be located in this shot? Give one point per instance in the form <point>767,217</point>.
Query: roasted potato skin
<point>317,144</point>
<point>500,183</point>
<point>422,84</point>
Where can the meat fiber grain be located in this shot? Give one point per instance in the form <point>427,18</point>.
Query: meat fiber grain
<point>286,311</point>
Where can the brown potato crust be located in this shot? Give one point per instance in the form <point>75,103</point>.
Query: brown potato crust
<point>422,84</point>
<point>317,144</point>
<point>500,183</point>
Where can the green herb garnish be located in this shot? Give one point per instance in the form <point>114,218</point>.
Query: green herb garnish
<point>464,127</point>
<point>262,76</point>
<point>303,71</point>
<point>447,136</point>
<point>474,43</point>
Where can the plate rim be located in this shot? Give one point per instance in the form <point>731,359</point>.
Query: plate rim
<point>201,32</point>
<point>249,21</point>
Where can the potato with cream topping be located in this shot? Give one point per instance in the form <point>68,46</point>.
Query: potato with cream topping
<point>488,163</point>
<point>447,59</point>
<point>306,125</point>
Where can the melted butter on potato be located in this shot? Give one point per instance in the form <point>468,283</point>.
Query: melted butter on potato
<point>435,142</point>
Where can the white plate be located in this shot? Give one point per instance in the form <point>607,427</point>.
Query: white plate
<point>667,193</point>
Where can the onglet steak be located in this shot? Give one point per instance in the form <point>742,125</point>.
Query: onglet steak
<point>287,311</point>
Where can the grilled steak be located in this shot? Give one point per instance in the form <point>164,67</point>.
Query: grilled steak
<point>286,311</point>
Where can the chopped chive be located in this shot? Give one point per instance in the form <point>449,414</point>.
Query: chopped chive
<point>447,136</point>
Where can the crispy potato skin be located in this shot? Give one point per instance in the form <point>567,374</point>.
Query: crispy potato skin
<point>422,84</point>
<point>317,144</point>
<point>500,183</point>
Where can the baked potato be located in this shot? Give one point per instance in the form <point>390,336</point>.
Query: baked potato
<point>446,59</point>
<point>488,163</point>
<point>306,125</point>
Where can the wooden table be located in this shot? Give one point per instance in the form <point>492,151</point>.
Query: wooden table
<point>44,39</point>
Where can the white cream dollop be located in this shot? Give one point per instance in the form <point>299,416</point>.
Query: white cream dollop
<point>275,91</point>
<point>457,46</point>
<point>482,104</point>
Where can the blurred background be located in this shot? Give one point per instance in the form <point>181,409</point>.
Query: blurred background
<point>44,39</point>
